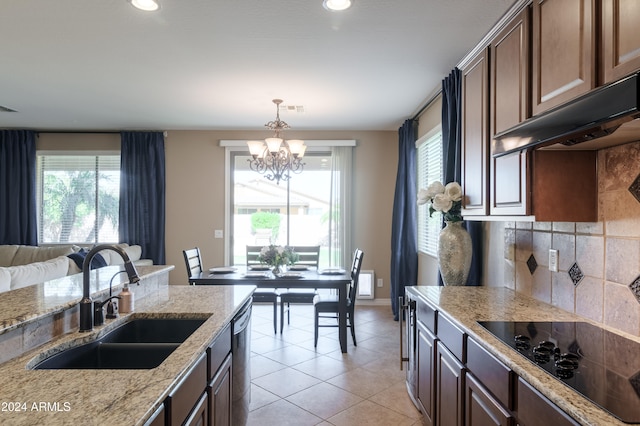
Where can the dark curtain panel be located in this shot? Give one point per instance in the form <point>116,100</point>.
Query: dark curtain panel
<point>18,214</point>
<point>452,159</point>
<point>142,193</point>
<point>404,244</point>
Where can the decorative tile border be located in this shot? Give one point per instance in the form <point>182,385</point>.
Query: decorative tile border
<point>635,288</point>
<point>532,264</point>
<point>634,189</point>
<point>575,273</point>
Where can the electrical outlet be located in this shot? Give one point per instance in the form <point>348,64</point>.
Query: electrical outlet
<point>379,282</point>
<point>553,260</point>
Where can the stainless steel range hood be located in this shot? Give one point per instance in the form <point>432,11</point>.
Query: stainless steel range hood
<point>594,116</point>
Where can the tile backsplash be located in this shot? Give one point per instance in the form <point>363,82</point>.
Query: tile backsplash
<point>598,263</point>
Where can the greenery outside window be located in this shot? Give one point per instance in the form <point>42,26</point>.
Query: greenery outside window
<point>429,164</point>
<point>78,197</point>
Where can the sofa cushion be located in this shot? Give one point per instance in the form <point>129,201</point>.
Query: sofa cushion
<point>5,279</point>
<point>32,254</point>
<point>7,253</point>
<point>38,272</point>
<point>78,258</point>
<point>113,258</point>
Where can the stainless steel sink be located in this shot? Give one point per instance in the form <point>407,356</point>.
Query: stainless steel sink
<point>138,344</point>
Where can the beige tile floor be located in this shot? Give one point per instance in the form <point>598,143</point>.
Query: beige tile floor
<point>294,383</point>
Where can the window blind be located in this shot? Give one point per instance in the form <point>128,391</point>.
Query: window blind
<point>429,165</point>
<point>78,198</point>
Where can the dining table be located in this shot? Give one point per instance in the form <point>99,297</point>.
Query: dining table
<point>327,278</point>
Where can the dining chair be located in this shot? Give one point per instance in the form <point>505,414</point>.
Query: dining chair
<point>193,262</point>
<point>263,295</point>
<point>308,256</point>
<point>330,304</point>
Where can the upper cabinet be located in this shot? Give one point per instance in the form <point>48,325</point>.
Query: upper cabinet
<point>509,106</point>
<point>475,144</point>
<point>620,39</point>
<point>563,51</point>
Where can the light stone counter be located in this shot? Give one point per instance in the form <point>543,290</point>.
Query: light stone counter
<point>466,305</point>
<point>100,397</point>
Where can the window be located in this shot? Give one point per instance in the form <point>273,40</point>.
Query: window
<point>429,163</point>
<point>78,198</point>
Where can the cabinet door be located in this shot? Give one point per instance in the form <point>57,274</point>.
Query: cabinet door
<point>510,87</point>
<point>220,395</point>
<point>481,408</point>
<point>198,416</point>
<point>620,52</point>
<point>534,409</point>
<point>449,388</point>
<point>475,97</point>
<point>509,184</point>
<point>426,374</point>
<point>563,51</point>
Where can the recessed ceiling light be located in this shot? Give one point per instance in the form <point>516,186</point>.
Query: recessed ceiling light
<point>146,5</point>
<point>336,5</point>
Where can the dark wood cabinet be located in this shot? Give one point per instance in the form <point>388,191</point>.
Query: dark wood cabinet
<point>534,409</point>
<point>220,395</point>
<point>199,415</point>
<point>620,50</point>
<point>475,134</point>
<point>510,183</point>
<point>182,400</point>
<point>157,418</point>
<point>449,388</point>
<point>564,54</point>
<point>481,408</point>
<point>426,374</point>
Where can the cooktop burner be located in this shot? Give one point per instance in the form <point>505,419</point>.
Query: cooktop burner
<point>602,366</point>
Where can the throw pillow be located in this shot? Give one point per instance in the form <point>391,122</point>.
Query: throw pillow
<point>78,258</point>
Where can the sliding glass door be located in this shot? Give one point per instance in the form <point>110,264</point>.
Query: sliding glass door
<point>296,212</point>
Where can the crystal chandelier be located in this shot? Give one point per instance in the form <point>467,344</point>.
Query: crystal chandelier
<point>274,157</point>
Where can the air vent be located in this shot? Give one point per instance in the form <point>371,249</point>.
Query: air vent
<point>292,108</point>
<point>5,109</point>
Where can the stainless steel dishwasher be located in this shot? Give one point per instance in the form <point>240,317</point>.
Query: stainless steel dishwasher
<point>241,365</point>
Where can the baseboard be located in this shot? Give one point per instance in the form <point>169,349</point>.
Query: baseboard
<point>374,302</point>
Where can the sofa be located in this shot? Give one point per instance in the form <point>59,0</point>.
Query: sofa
<point>21,265</point>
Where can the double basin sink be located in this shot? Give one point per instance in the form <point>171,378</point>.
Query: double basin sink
<point>141,343</point>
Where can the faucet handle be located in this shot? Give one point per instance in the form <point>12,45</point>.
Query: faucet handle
<point>98,313</point>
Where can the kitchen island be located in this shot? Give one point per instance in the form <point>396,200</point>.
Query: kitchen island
<point>119,397</point>
<point>475,371</point>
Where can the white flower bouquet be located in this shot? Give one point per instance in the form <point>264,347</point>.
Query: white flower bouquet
<point>277,256</point>
<point>446,199</point>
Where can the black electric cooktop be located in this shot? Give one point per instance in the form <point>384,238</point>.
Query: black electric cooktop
<point>602,366</point>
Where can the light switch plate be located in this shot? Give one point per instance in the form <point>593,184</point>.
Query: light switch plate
<point>553,260</point>
<point>217,233</point>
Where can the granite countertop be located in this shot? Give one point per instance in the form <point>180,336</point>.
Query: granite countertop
<point>119,397</point>
<point>466,305</point>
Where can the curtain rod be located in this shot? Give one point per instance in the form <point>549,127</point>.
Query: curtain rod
<point>98,132</point>
<point>427,104</point>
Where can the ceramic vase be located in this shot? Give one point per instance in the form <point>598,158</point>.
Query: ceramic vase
<point>454,254</point>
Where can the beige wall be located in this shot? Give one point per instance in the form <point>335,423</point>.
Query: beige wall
<point>607,252</point>
<point>195,173</point>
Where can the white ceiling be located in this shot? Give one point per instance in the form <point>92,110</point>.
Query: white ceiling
<point>217,64</point>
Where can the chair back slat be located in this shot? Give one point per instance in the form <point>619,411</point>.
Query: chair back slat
<point>358,256</point>
<point>252,255</point>
<point>193,261</point>
<point>307,255</point>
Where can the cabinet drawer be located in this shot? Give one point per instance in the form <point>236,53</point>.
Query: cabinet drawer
<point>493,374</point>
<point>452,337</point>
<point>534,409</point>
<point>218,351</point>
<point>426,315</point>
<point>186,395</point>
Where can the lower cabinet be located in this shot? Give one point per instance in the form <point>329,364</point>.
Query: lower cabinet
<point>481,408</point>
<point>449,388</point>
<point>200,413</point>
<point>220,395</point>
<point>426,374</point>
<point>534,409</point>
